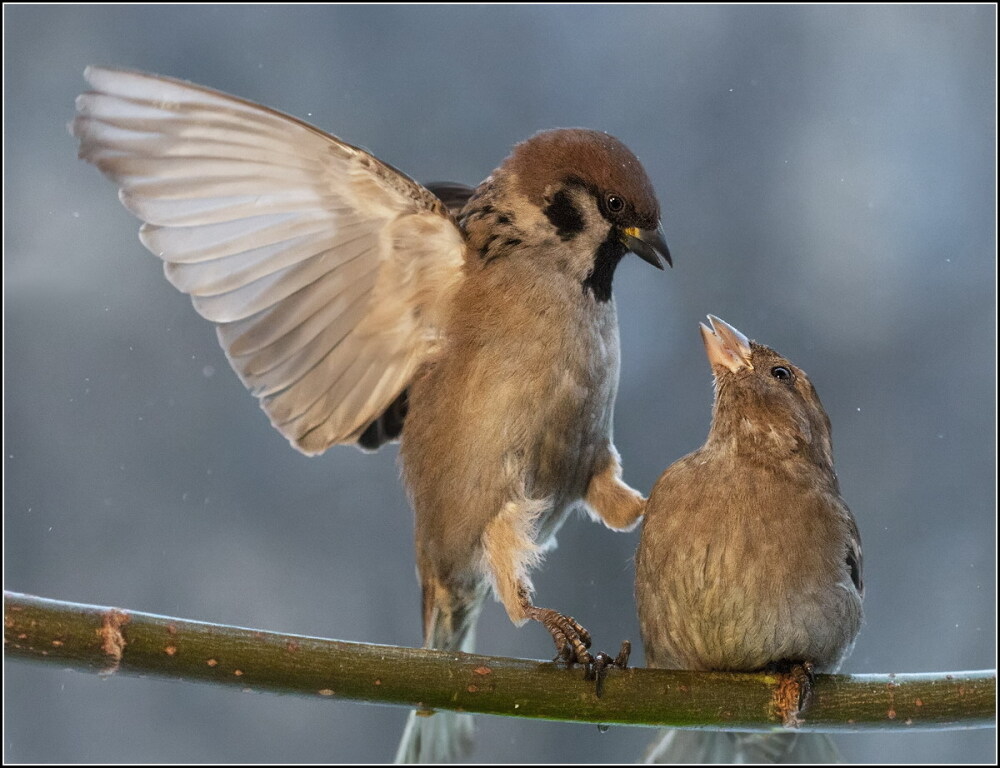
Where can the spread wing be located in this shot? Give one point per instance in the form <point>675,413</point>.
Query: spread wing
<point>327,272</point>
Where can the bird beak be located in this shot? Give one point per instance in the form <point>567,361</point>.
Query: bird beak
<point>648,245</point>
<point>725,346</point>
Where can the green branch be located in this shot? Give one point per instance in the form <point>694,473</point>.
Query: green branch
<point>113,641</point>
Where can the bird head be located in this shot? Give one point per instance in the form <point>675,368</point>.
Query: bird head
<point>586,199</point>
<point>763,402</point>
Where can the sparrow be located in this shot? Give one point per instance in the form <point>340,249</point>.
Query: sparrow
<point>749,559</point>
<point>474,325</point>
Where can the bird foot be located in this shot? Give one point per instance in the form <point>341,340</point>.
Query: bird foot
<point>598,669</point>
<point>795,695</point>
<point>804,675</point>
<point>571,639</point>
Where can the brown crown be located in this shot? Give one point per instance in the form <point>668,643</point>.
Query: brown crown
<point>595,158</point>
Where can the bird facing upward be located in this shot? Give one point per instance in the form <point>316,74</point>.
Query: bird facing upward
<point>477,325</point>
<point>749,558</point>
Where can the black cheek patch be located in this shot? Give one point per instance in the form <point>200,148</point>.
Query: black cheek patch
<point>606,259</point>
<point>565,216</point>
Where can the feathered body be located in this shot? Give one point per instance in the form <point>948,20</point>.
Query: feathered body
<point>477,326</point>
<point>491,431</point>
<point>749,558</point>
<point>746,594</point>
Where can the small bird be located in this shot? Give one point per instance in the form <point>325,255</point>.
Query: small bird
<point>475,325</point>
<point>749,559</point>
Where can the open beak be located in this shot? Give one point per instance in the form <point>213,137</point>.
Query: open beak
<point>725,346</point>
<point>648,245</point>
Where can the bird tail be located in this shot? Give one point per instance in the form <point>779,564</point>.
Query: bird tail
<point>435,737</point>
<point>729,747</point>
<point>443,736</point>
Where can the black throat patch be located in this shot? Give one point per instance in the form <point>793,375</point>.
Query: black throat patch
<point>609,253</point>
<point>564,215</point>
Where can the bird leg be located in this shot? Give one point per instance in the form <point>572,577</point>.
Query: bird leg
<point>610,499</point>
<point>571,639</point>
<point>510,551</point>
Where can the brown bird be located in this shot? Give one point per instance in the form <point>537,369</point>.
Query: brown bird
<point>749,558</point>
<point>476,325</point>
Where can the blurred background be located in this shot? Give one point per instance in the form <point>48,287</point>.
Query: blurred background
<point>827,176</point>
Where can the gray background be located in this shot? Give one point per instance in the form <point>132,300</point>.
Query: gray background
<point>827,180</point>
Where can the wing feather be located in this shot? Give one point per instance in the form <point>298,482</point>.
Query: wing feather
<point>189,245</point>
<point>327,272</point>
<point>327,296</point>
<point>285,362</point>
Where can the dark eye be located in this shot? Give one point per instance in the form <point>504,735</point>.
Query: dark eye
<point>615,204</point>
<point>781,373</point>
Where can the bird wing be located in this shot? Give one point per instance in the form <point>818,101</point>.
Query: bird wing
<point>855,562</point>
<point>452,194</point>
<point>326,271</point>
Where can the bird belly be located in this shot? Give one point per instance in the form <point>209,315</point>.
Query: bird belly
<point>502,422</point>
<point>741,610</point>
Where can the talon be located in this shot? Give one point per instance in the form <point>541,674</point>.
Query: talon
<point>597,671</point>
<point>809,668</point>
<point>621,660</point>
<point>805,676</point>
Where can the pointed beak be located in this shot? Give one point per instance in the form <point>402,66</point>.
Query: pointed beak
<point>725,346</point>
<point>648,244</point>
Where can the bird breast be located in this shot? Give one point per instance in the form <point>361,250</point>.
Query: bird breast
<point>732,589</point>
<point>519,401</point>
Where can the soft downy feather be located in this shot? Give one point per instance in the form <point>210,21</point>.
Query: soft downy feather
<point>287,238</point>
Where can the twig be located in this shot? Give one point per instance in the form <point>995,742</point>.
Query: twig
<point>112,641</point>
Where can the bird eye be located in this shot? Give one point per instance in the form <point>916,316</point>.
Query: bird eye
<point>615,203</point>
<point>781,373</point>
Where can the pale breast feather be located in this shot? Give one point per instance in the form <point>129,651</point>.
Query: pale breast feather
<point>326,271</point>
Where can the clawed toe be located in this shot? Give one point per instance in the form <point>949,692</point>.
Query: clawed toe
<point>598,669</point>
<point>570,647</point>
<point>571,639</point>
<point>804,675</point>
<point>621,660</point>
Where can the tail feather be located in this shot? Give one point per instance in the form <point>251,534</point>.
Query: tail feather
<point>729,747</point>
<point>442,737</point>
<point>435,737</point>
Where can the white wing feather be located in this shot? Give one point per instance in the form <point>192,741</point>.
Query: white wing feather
<point>327,272</point>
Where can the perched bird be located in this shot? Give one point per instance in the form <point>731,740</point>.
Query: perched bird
<point>476,325</point>
<point>749,558</point>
